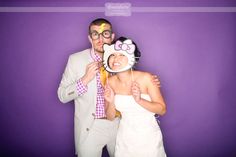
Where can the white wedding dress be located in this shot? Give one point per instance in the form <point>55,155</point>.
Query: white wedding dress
<point>139,134</point>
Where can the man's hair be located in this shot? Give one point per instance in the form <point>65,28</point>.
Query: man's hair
<point>98,22</point>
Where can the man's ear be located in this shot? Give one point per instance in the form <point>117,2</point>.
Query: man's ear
<point>113,36</point>
<point>90,39</point>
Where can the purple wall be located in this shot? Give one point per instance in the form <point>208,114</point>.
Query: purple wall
<point>193,53</point>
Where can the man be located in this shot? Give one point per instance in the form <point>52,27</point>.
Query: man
<point>82,82</point>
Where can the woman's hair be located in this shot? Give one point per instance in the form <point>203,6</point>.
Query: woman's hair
<point>137,53</point>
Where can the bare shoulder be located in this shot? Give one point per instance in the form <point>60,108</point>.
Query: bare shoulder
<point>142,75</point>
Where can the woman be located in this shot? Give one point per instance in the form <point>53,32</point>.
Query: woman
<point>133,94</point>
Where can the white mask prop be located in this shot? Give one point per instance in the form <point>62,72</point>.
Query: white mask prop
<point>126,48</point>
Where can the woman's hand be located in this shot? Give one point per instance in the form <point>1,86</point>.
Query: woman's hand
<point>135,90</point>
<point>109,94</point>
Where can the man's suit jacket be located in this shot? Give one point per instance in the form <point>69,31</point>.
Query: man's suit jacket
<point>85,105</point>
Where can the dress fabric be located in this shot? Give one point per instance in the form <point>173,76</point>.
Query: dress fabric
<point>139,134</point>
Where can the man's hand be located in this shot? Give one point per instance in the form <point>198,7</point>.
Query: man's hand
<point>90,73</point>
<point>156,81</point>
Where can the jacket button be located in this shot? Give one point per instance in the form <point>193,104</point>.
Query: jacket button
<point>87,129</point>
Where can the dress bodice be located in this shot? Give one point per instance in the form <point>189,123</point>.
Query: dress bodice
<point>138,134</point>
<point>127,104</point>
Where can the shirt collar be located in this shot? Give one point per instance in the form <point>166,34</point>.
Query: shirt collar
<point>95,56</point>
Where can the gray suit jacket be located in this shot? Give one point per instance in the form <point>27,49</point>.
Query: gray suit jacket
<point>85,105</point>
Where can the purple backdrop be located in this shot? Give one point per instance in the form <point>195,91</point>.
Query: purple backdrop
<point>193,53</point>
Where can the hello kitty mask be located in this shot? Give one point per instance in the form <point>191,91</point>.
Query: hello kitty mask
<point>126,48</point>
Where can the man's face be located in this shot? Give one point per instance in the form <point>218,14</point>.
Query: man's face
<point>100,35</point>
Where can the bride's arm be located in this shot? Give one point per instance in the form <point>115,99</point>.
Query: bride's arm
<point>110,111</point>
<point>157,103</point>
<point>109,102</point>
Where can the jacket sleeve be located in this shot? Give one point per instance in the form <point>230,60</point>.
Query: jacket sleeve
<point>67,89</point>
